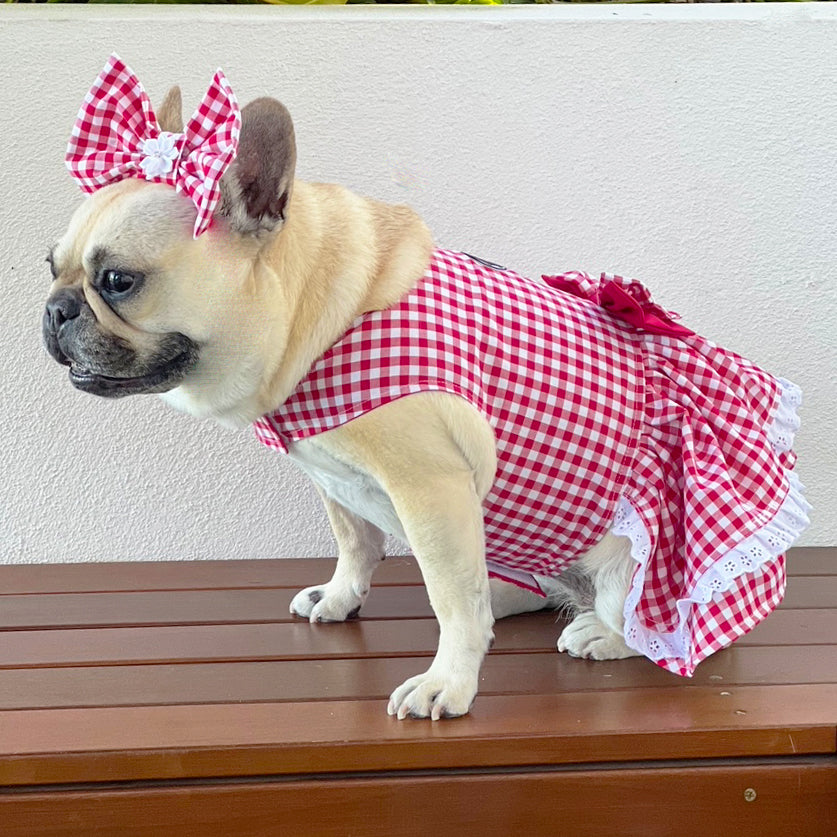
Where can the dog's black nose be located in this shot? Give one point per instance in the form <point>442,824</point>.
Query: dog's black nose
<point>64,305</point>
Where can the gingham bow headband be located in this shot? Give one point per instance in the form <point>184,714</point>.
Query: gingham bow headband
<point>116,135</point>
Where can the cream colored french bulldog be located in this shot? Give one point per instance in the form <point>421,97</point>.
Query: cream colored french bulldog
<point>225,325</point>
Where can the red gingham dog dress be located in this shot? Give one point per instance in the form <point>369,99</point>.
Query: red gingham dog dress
<point>607,415</point>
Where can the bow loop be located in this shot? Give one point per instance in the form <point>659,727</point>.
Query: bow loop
<point>623,299</point>
<point>115,119</point>
<point>116,135</point>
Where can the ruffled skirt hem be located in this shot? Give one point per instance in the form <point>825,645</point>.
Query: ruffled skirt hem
<point>704,624</point>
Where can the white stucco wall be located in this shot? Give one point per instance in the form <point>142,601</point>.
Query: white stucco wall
<point>694,147</point>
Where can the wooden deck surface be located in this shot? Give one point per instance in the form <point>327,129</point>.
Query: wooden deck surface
<point>183,699</point>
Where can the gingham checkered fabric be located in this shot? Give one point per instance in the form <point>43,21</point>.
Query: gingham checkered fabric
<point>588,412</point>
<point>116,135</point>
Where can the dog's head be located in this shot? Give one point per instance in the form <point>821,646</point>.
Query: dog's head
<point>139,305</point>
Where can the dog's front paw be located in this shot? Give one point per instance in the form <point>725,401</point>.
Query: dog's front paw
<point>433,695</point>
<point>587,636</point>
<point>327,603</point>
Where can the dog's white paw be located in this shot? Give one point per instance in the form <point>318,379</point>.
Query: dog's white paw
<point>327,603</point>
<point>587,636</point>
<point>433,695</point>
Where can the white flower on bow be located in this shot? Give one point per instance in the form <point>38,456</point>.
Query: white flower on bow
<point>160,153</point>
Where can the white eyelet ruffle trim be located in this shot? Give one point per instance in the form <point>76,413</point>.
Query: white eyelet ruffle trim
<point>785,422</point>
<point>751,555</point>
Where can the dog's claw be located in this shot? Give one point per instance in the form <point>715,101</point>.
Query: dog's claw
<point>432,696</point>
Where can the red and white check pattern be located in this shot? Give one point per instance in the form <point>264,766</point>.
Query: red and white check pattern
<point>116,119</point>
<point>586,410</point>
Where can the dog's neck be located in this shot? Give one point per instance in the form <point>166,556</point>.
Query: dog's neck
<point>337,256</point>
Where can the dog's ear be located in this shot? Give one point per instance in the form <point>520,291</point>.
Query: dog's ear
<point>256,188</point>
<point>170,113</point>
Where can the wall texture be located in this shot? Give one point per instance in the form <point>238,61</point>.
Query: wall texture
<point>694,147</point>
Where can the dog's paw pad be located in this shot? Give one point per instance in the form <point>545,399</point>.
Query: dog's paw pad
<point>432,696</point>
<point>326,603</point>
<point>587,636</point>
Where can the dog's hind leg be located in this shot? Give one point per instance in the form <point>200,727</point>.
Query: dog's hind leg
<point>360,547</point>
<point>571,592</point>
<point>508,599</point>
<point>597,631</point>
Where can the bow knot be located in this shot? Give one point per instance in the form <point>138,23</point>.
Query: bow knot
<point>624,299</point>
<point>161,153</point>
<point>116,135</point>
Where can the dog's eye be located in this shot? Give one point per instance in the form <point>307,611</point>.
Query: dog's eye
<point>117,282</point>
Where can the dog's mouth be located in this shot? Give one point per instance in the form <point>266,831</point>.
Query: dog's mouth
<point>161,378</point>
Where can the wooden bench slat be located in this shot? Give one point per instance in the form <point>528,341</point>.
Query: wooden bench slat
<point>811,592</point>
<point>812,560</point>
<point>791,799</point>
<point>302,640</point>
<point>188,607</point>
<point>375,678</point>
<point>297,640</point>
<point>292,573</point>
<point>238,606</point>
<point>154,742</point>
<point>815,626</point>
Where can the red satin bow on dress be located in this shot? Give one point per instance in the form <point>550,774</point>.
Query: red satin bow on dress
<point>622,298</point>
<point>116,135</point>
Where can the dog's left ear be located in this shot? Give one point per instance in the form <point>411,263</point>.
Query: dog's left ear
<point>170,112</point>
<point>256,188</point>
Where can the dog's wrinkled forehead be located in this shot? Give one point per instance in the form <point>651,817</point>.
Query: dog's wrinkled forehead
<point>133,221</point>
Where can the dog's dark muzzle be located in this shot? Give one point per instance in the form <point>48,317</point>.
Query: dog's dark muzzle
<point>104,364</point>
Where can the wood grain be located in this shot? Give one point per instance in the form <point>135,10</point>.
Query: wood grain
<point>188,575</point>
<point>194,684</point>
<point>78,745</point>
<point>243,606</point>
<point>187,607</point>
<point>374,678</point>
<point>689,801</point>
<point>269,572</point>
<point>301,640</point>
